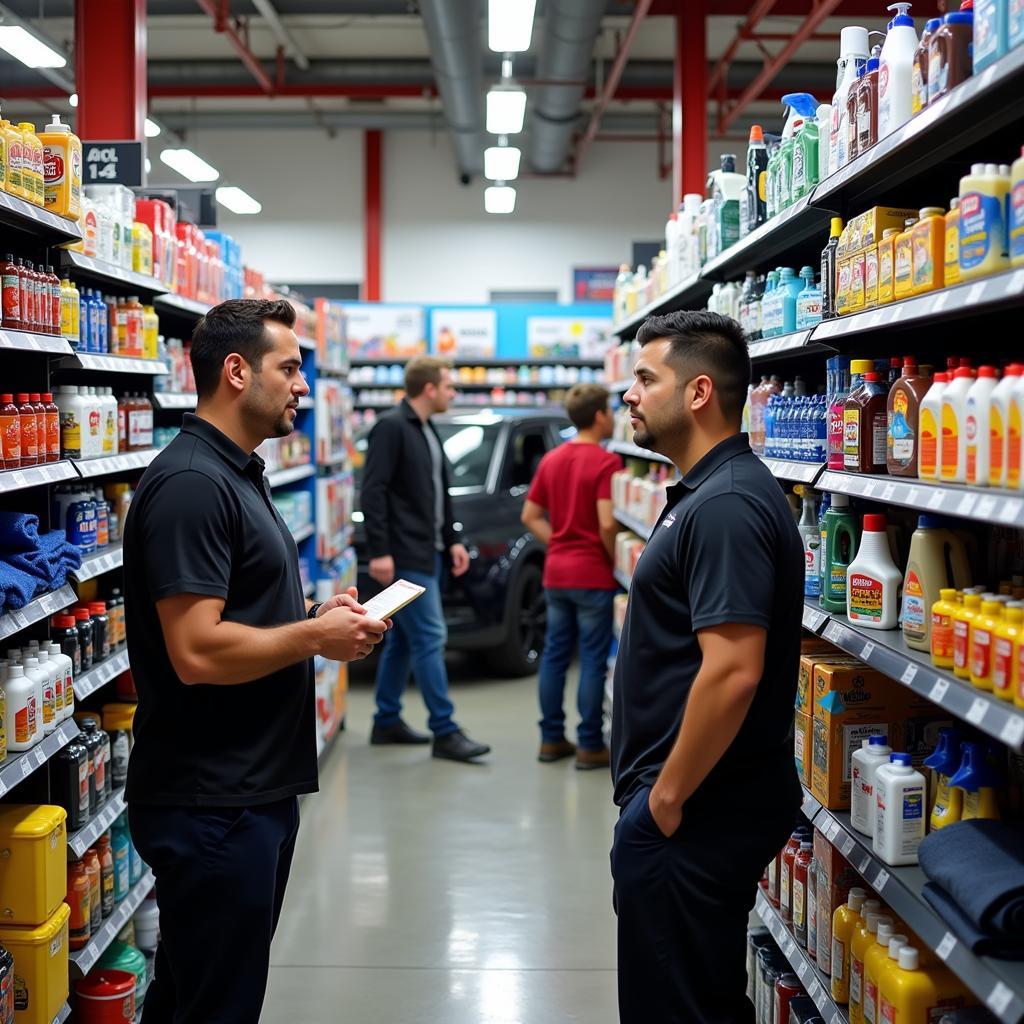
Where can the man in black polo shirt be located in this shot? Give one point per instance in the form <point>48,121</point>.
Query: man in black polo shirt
<point>221,641</point>
<point>705,681</point>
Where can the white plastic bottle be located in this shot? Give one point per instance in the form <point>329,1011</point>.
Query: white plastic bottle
<point>978,413</point>
<point>929,459</point>
<point>1015,437</point>
<point>45,703</point>
<point>873,753</point>
<point>896,71</point>
<point>92,436</point>
<point>21,716</point>
<point>954,426</point>
<point>108,421</point>
<point>66,667</point>
<point>872,579</point>
<point>823,115</point>
<point>688,223</point>
<point>901,805</point>
<point>853,50</point>
<point>55,674</point>
<point>672,248</point>
<point>999,424</point>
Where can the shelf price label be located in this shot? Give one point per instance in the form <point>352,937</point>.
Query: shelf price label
<point>112,163</point>
<point>946,946</point>
<point>1013,731</point>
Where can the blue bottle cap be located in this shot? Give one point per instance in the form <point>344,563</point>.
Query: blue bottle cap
<point>878,740</point>
<point>929,522</point>
<point>959,18</point>
<point>932,24</point>
<point>903,759</point>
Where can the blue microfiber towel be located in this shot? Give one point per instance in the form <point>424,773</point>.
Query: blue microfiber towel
<point>50,561</point>
<point>978,942</point>
<point>980,864</point>
<point>19,531</point>
<point>17,588</point>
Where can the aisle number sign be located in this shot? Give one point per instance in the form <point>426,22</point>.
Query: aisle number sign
<point>112,163</point>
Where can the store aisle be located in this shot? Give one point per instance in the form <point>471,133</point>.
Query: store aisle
<point>427,891</point>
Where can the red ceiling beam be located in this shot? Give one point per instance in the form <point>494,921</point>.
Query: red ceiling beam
<point>373,201</point>
<point>721,70</point>
<point>222,24</point>
<point>326,90</point>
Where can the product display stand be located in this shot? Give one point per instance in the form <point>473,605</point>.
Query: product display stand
<point>83,960</point>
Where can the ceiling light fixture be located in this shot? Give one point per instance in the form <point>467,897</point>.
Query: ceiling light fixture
<point>501,163</point>
<point>506,110</point>
<point>73,99</point>
<point>152,129</point>
<point>510,25</point>
<point>237,200</point>
<point>499,199</point>
<point>188,165</point>
<point>29,49</point>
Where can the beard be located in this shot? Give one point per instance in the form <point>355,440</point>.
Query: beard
<point>283,426</point>
<point>643,438</point>
<point>268,418</point>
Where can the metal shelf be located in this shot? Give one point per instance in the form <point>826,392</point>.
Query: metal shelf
<point>44,227</point>
<point>35,611</point>
<point>177,305</point>
<point>92,269</point>
<point>303,533</point>
<point>62,1014</point>
<point>98,562</point>
<point>20,766</point>
<point>887,651</point>
<point>102,363</point>
<point>484,361</point>
<point>817,984</point>
<point>83,960</point>
<point>797,343</point>
<point>684,295</point>
<point>35,476</point>
<point>280,477</point>
<point>174,400</point>
<point>632,523</point>
<point>80,841</point>
<point>622,579</point>
<point>99,675</point>
<point>462,385</point>
<point>108,464</point>
<point>634,451</point>
<point>998,983</point>
<point>982,504</point>
<point>785,469</point>
<point>24,341</point>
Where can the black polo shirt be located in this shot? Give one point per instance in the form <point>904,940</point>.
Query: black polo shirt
<point>725,550</point>
<point>202,522</point>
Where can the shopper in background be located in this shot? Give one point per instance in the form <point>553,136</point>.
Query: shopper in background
<point>569,509</point>
<point>221,641</point>
<point>705,680</point>
<point>407,515</point>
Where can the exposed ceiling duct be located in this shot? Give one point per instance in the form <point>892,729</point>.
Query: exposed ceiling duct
<point>453,32</point>
<point>567,48</point>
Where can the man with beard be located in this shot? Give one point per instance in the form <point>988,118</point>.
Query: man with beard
<point>705,680</point>
<point>221,641</point>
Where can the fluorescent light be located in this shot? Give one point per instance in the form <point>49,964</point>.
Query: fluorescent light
<point>510,25</point>
<point>152,129</point>
<point>501,163</point>
<point>29,49</point>
<point>499,199</point>
<point>73,99</point>
<point>237,200</point>
<point>149,166</point>
<point>506,110</point>
<point>188,165</point>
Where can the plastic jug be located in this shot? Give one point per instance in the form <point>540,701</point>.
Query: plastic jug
<point>1016,205</point>
<point>983,201</point>
<point>864,425</point>
<point>930,430</point>
<point>726,193</point>
<point>840,545</point>
<point>944,762</point>
<point>928,246</point>
<point>62,169</point>
<point>954,426</point>
<point>864,933</point>
<point>874,580</point>
<point>875,960</point>
<point>937,561</point>
<point>963,620</point>
<point>949,54</point>
<point>919,71</point>
<point>844,920</point>
<point>991,32</point>
<point>943,613</point>
<point>895,77</point>
<point>900,802</point>
<point>981,640</point>
<point>867,103</point>
<point>902,416</point>
<point>979,441</point>
<point>874,751</point>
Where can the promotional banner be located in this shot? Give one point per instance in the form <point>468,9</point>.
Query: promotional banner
<point>593,284</point>
<point>385,332</point>
<point>549,337</point>
<point>464,333</point>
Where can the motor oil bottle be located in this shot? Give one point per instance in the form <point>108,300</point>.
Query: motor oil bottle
<point>844,920</point>
<point>874,580</point>
<point>983,201</point>
<point>941,640</point>
<point>864,426</point>
<point>954,426</point>
<point>946,800</point>
<point>1006,651</point>
<point>837,553</point>
<point>979,782</point>
<point>937,561</point>
<point>930,430</point>
<point>902,420</point>
<point>62,169</point>
<point>979,441</point>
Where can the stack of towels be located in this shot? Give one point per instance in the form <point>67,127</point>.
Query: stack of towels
<point>31,564</point>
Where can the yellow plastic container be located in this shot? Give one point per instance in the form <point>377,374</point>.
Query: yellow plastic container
<point>1006,651</point>
<point>962,621</point>
<point>903,262</point>
<point>871,277</point>
<point>150,333</point>
<point>983,248</point>
<point>62,169</point>
<point>4,157</point>
<point>887,266</point>
<point>875,960</point>
<point>951,244</point>
<point>32,164</point>
<point>15,159</point>
<point>911,993</point>
<point>33,847</point>
<point>943,612</point>
<point>1016,224</point>
<point>844,270</point>
<point>844,920</point>
<point>858,262</point>
<point>982,641</point>
<point>863,939</point>
<point>928,243</point>
<point>40,967</point>
<point>142,249</point>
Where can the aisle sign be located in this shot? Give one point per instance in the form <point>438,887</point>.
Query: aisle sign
<point>112,163</point>
<point>584,337</point>
<point>464,333</point>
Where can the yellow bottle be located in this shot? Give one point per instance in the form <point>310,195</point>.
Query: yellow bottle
<point>32,164</point>
<point>887,266</point>
<point>1006,651</point>
<point>62,169</point>
<point>928,242</point>
<point>1017,217</point>
<point>951,263</point>
<point>944,763</point>
<point>871,277</point>
<point>981,637</point>
<point>4,158</point>
<point>903,261</point>
<point>983,195</point>
<point>15,160</point>
<point>142,249</point>
<point>874,964</point>
<point>863,939</point>
<point>962,634</point>
<point>150,333</point>
<point>942,628</point>
<point>911,994</point>
<point>980,782</point>
<point>843,922</point>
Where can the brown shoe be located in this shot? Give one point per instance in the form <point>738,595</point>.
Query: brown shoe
<point>588,760</point>
<point>551,752</point>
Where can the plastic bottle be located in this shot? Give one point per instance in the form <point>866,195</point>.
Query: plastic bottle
<point>44,697</point>
<point>895,75</point>
<point>874,964</point>
<point>22,713</point>
<point>36,401</point>
<point>801,864</point>
<point>853,49</point>
<point>874,580</point>
<point>979,782</point>
<point>823,117</point>
<point>51,430</point>
<point>963,620</point>
<point>944,762</point>
<point>66,666</point>
<point>930,430</point>
<point>805,144</point>
<point>949,54</point>
<point>941,641</point>
<point>62,169</point>
<point>862,940</point>
<point>53,689</point>
<point>53,287</point>
<point>867,103</point>
<point>808,302</point>
<point>937,561</point>
<point>864,425</point>
<point>903,261</point>
<point>70,310</point>
<point>954,426</point>
<point>1015,212</point>
<point>1006,651</point>
<point>837,390</point>
<point>10,432</point>
<point>919,70</point>
<point>983,201</point>
<point>837,553</point>
<point>29,430</point>
<point>900,802</point>
<point>980,641</point>
<point>979,441</point>
<point>828,270</point>
<point>874,751</point>
<point>15,159</point>
<point>912,994</point>
<point>753,210</point>
<point>902,415</point>
<point>951,260</point>
<point>809,532</point>
<point>844,920</point>
<point>991,32</point>
<point>786,859</point>
<point>32,163</point>
<point>726,193</point>
<point>928,246</point>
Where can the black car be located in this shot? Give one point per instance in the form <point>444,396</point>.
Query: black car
<point>497,607</point>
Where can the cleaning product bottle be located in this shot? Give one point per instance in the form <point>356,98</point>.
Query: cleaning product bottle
<point>928,246</point>
<point>937,561</point>
<point>726,193</point>
<point>864,425</point>
<point>852,135</point>
<point>919,71</point>
<point>874,581</point>
<point>991,32</point>
<point>895,75</point>
<point>943,612</point>
<point>963,621</point>
<point>1006,651</point>
<point>874,751</point>
<point>900,799</point>
<point>805,157</point>
<point>944,762</point>
<point>912,994</point>
<point>983,195</point>
<point>902,414</point>
<point>903,261</point>
<point>867,103</point>
<point>979,782</point>
<point>980,641</point>
<point>62,169</point>
<point>874,965</point>
<point>979,441</point>
<point>844,920</point>
<point>823,116</point>
<point>930,430</point>
<point>828,270</point>
<point>810,533</point>
<point>954,426</point>
<point>951,259</point>
<point>840,544</point>
<point>949,53</point>
<point>788,289</point>
<point>753,211</point>
<point>808,302</point>
<point>1016,206</point>
<point>863,939</point>
<point>837,393</point>
<point>853,49</point>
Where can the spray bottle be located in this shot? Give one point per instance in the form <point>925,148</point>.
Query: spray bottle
<point>896,72</point>
<point>811,536</point>
<point>805,142</point>
<point>726,193</point>
<point>753,210</point>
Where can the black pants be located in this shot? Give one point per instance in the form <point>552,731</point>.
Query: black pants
<point>220,875</point>
<point>683,905</point>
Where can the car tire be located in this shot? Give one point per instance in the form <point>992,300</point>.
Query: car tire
<point>525,620</point>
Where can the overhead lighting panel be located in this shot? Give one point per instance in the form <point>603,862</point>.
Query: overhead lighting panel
<point>506,110</point>
<point>510,25</point>
<point>237,200</point>
<point>188,165</point>
<point>501,163</point>
<point>152,129</point>
<point>29,49</point>
<point>499,199</point>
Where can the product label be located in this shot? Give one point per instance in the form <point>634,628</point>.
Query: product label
<point>929,455</point>
<point>938,73</point>
<point>961,636</point>
<point>1017,221</point>
<point>857,275</point>
<point>1013,444</point>
<point>856,981</point>
<point>951,467</point>
<point>996,446</point>
<point>1016,22</point>
<point>865,598</point>
<point>971,432</point>
<point>53,434</point>
<point>11,299</point>
<point>29,436</point>
<point>921,261</point>
<point>870,1000</point>
<point>1002,666</point>
<point>952,255</point>
<point>899,432</point>
<point>10,437</point>
<point>878,440</point>
<point>799,171</point>
<point>799,904</point>
<point>845,284</point>
<point>25,721</point>
<point>1019,695</point>
<point>837,583</point>
<point>851,438</point>
<point>871,274</point>
<point>981,229</point>
<point>904,262</point>
<point>986,30</point>
<point>942,635</point>
<point>914,611</point>
<point>49,702</point>
<point>838,959</point>
<point>785,887</point>
<point>918,88</point>
<point>812,565</point>
<point>981,653</point>
<point>885,283</point>
<point>70,434</point>
<point>886,1012</point>
<point>93,424</point>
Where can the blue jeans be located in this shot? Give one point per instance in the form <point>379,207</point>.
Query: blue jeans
<point>417,642</point>
<point>585,615</point>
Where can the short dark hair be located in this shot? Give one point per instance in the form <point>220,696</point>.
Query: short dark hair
<point>234,326</point>
<point>703,342</point>
<point>584,402</point>
<point>421,371</point>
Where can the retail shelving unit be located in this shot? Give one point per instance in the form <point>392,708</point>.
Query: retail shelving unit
<point>83,960</point>
<point>80,841</point>
<point>96,271</point>
<point>281,477</point>
<point>36,476</point>
<point>22,341</point>
<point>100,561</point>
<point>17,767</point>
<point>35,611</point>
<point>110,464</point>
<point>100,674</point>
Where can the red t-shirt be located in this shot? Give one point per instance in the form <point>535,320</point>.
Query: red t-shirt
<point>569,482</point>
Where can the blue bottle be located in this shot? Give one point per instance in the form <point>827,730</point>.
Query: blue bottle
<point>790,287</point>
<point>991,31</point>
<point>768,305</point>
<point>769,426</point>
<point>119,847</point>
<point>808,302</point>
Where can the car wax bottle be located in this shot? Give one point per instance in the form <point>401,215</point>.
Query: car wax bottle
<point>69,777</point>
<point>79,899</point>
<point>864,423</point>
<point>90,739</point>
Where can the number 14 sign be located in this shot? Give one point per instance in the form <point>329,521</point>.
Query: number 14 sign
<point>112,163</point>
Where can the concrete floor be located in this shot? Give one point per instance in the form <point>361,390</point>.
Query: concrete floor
<point>424,891</point>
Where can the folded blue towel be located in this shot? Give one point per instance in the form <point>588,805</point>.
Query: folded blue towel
<point>981,943</point>
<point>17,588</point>
<point>980,864</point>
<point>19,531</point>
<point>50,561</point>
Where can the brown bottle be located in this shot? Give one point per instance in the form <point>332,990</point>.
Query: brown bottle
<point>40,290</point>
<point>902,414</point>
<point>79,899</point>
<point>95,875</point>
<point>864,427</point>
<point>852,135</point>
<point>52,428</point>
<point>29,435</point>
<point>949,54</point>
<point>53,285</point>
<point>10,432</point>
<point>106,856</point>
<point>867,103</point>
<point>11,282</point>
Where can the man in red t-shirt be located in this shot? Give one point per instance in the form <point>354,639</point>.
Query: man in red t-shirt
<point>569,508</point>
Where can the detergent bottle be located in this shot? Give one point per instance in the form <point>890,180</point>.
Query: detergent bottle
<point>954,426</point>
<point>991,32</point>
<point>1006,651</point>
<point>930,430</point>
<point>788,289</point>
<point>844,920</point>
<point>963,620</point>
<point>943,613</point>
<point>867,103</point>
<point>753,211</point>
<point>811,535</point>
<point>823,116</point>
<point>853,50</point>
<point>1016,206</point>
<point>944,762</point>
<point>808,302</point>
<point>979,441</point>
<point>863,939</point>
<point>919,72</point>
<point>902,414</point>
<point>895,76</point>
<point>874,581</point>
<point>1015,435</point>
<point>838,552</point>
<point>937,561</point>
<point>874,965</point>
<point>980,641</point>
<point>726,193</point>
<point>62,169</point>
<point>979,782</point>
<point>983,195</point>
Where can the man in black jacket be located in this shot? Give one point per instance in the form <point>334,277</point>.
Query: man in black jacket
<point>407,513</point>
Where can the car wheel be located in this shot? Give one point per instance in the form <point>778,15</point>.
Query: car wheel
<point>525,621</point>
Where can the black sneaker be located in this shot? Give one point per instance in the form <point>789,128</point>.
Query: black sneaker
<point>457,746</point>
<point>399,733</point>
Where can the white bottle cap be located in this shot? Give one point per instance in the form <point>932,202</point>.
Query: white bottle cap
<point>992,169</point>
<point>15,672</point>
<point>853,42</point>
<point>896,943</point>
<point>856,898</point>
<point>977,169</point>
<point>1004,170</point>
<point>874,920</point>
<point>909,958</point>
<point>884,933</point>
<point>31,663</point>
<point>57,126</point>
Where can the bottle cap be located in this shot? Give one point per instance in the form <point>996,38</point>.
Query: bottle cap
<point>884,933</point>
<point>878,740</point>
<point>963,371</point>
<point>874,522</point>
<point>932,24</point>
<point>861,366</point>
<point>22,397</point>
<point>756,133</point>
<point>928,521</point>
<point>853,41</point>
<point>901,759</point>
<point>56,125</point>
<point>987,371</point>
<point>909,958</point>
<point>874,919</point>
<point>856,898</point>
<point>35,397</point>
<point>896,943</point>
<point>871,376</point>
<point>931,211</point>
<point>941,377</point>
